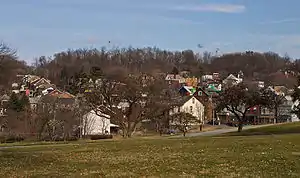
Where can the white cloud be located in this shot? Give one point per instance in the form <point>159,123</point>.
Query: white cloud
<point>224,8</point>
<point>281,21</point>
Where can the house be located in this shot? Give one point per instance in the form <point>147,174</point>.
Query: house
<point>175,80</point>
<point>201,95</point>
<point>232,80</point>
<point>285,110</point>
<point>93,124</point>
<point>187,91</point>
<point>4,99</point>
<point>207,101</point>
<point>192,82</point>
<point>65,99</point>
<point>173,77</point>
<point>214,90</point>
<point>280,90</point>
<point>190,104</point>
<point>34,102</point>
<point>295,118</point>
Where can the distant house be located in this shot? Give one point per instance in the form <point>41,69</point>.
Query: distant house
<point>93,124</point>
<point>213,90</point>
<point>187,91</point>
<point>4,99</point>
<point>190,104</point>
<point>173,77</point>
<point>232,80</point>
<point>285,110</point>
<point>295,118</point>
<point>64,98</point>
<point>174,80</point>
<point>207,100</point>
<point>201,95</point>
<point>34,102</point>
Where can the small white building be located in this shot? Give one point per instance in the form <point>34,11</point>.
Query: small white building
<point>192,105</point>
<point>294,117</point>
<point>232,80</point>
<point>92,124</point>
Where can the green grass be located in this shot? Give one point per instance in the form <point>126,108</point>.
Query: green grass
<point>259,156</point>
<point>286,128</point>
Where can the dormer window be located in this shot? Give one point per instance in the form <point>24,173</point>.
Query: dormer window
<point>199,93</point>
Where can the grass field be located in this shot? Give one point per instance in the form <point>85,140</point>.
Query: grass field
<point>285,128</point>
<point>259,156</point>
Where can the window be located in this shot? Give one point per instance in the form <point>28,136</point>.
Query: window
<point>193,100</point>
<point>199,93</point>
<point>191,109</point>
<point>178,109</point>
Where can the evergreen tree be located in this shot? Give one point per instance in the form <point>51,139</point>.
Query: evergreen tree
<point>14,103</point>
<point>17,103</point>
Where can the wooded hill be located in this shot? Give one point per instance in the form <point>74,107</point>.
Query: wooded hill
<point>62,67</point>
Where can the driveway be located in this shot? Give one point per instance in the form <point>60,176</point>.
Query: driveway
<point>221,131</point>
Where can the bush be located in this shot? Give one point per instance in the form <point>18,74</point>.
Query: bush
<point>99,137</point>
<point>11,138</point>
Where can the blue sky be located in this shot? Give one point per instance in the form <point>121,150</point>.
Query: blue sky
<point>43,27</point>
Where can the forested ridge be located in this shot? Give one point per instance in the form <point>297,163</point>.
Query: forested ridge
<point>63,66</point>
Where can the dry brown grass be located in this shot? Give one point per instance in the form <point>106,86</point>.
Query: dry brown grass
<point>258,156</point>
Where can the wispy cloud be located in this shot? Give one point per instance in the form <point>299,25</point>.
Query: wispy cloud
<point>178,20</point>
<point>223,8</point>
<point>281,21</point>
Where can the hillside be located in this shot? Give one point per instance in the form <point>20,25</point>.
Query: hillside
<point>269,67</point>
<point>62,67</point>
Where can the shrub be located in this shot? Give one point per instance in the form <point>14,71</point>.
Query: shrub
<point>11,138</point>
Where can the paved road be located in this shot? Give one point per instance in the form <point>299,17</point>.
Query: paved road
<point>221,131</point>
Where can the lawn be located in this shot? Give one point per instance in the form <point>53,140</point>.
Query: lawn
<point>259,156</point>
<point>285,128</point>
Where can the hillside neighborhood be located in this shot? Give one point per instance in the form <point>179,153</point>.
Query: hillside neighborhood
<point>194,95</point>
<point>150,89</point>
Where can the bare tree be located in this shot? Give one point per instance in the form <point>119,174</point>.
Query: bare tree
<point>274,101</point>
<point>238,100</point>
<point>183,120</point>
<point>7,52</point>
<point>127,101</point>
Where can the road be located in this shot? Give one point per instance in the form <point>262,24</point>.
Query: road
<point>221,131</point>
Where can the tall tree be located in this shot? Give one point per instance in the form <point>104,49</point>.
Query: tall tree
<point>126,102</point>
<point>273,101</point>
<point>238,100</point>
<point>183,120</point>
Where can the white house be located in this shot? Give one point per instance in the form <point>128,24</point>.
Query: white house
<point>192,105</point>
<point>294,117</point>
<point>232,80</point>
<point>92,124</point>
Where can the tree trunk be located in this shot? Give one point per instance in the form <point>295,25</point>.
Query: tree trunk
<point>201,127</point>
<point>275,115</point>
<point>184,133</point>
<point>240,126</point>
